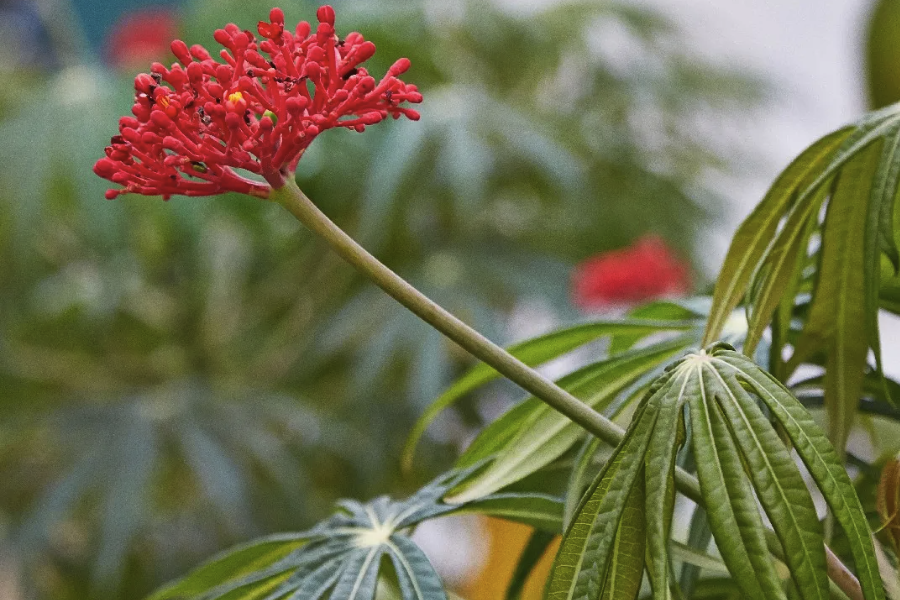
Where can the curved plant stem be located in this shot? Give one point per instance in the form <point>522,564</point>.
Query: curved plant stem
<point>295,201</point>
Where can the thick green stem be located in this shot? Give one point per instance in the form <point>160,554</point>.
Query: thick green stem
<point>296,202</point>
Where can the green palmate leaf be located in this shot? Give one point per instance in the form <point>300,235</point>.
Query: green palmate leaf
<point>783,314</point>
<point>579,478</point>
<point>532,554</point>
<point>655,311</point>
<point>498,434</point>
<point>755,233</point>
<point>779,267</point>
<point>700,560</point>
<point>879,237</point>
<point>416,577</point>
<point>348,554</point>
<point>535,352</point>
<point>820,459</point>
<point>731,506</point>
<point>546,434</point>
<point>780,487</point>
<point>233,565</point>
<point>660,472</point>
<point>582,563</point>
<point>339,558</point>
<point>359,577</point>
<point>541,511</point>
<point>839,306</point>
<point>626,562</point>
<point>699,536</point>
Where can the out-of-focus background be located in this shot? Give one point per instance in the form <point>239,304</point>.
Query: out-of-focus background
<point>177,377</point>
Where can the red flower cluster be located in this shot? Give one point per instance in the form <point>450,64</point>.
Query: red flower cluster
<point>198,122</point>
<point>644,271</point>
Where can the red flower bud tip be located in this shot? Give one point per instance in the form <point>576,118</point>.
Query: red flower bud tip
<point>399,67</point>
<point>181,52</point>
<point>366,51</point>
<point>161,119</point>
<point>198,124</point>
<point>644,271</point>
<point>222,37</point>
<point>233,121</point>
<point>105,168</point>
<point>241,40</point>
<point>325,14</point>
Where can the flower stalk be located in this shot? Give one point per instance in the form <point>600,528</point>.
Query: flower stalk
<point>292,198</point>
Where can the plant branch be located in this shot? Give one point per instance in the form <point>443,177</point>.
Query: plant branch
<point>296,202</point>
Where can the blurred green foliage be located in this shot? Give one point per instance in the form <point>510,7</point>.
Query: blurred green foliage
<point>175,377</point>
<point>882,75</point>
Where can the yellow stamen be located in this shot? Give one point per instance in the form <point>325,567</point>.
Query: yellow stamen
<point>235,97</point>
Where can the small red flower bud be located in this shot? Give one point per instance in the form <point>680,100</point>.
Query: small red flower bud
<point>295,104</point>
<point>143,83</point>
<point>161,119</point>
<point>325,14</point>
<point>222,37</point>
<point>141,112</point>
<point>223,74</point>
<point>128,122</point>
<point>399,67</point>
<point>170,143</point>
<point>215,90</point>
<point>105,168</point>
<point>316,54</point>
<point>130,134</point>
<point>324,31</point>
<point>181,52</point>
<point>313,70</point>
<point>233,121</point>
<point>276,15</point>
<point>199,52</point>
<point>365,51</point>
<point>195,72</point>
<point>241,40</point>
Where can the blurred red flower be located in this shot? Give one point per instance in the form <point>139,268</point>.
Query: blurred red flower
<point>140,37</point>
<point>646,270</point>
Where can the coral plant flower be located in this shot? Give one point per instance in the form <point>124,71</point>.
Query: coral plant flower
<point>203,126</point>
<point>644,271</point>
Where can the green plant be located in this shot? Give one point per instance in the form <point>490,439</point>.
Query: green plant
<point>720,428</point>
<point>715,412</point>
<point>214,320</point>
